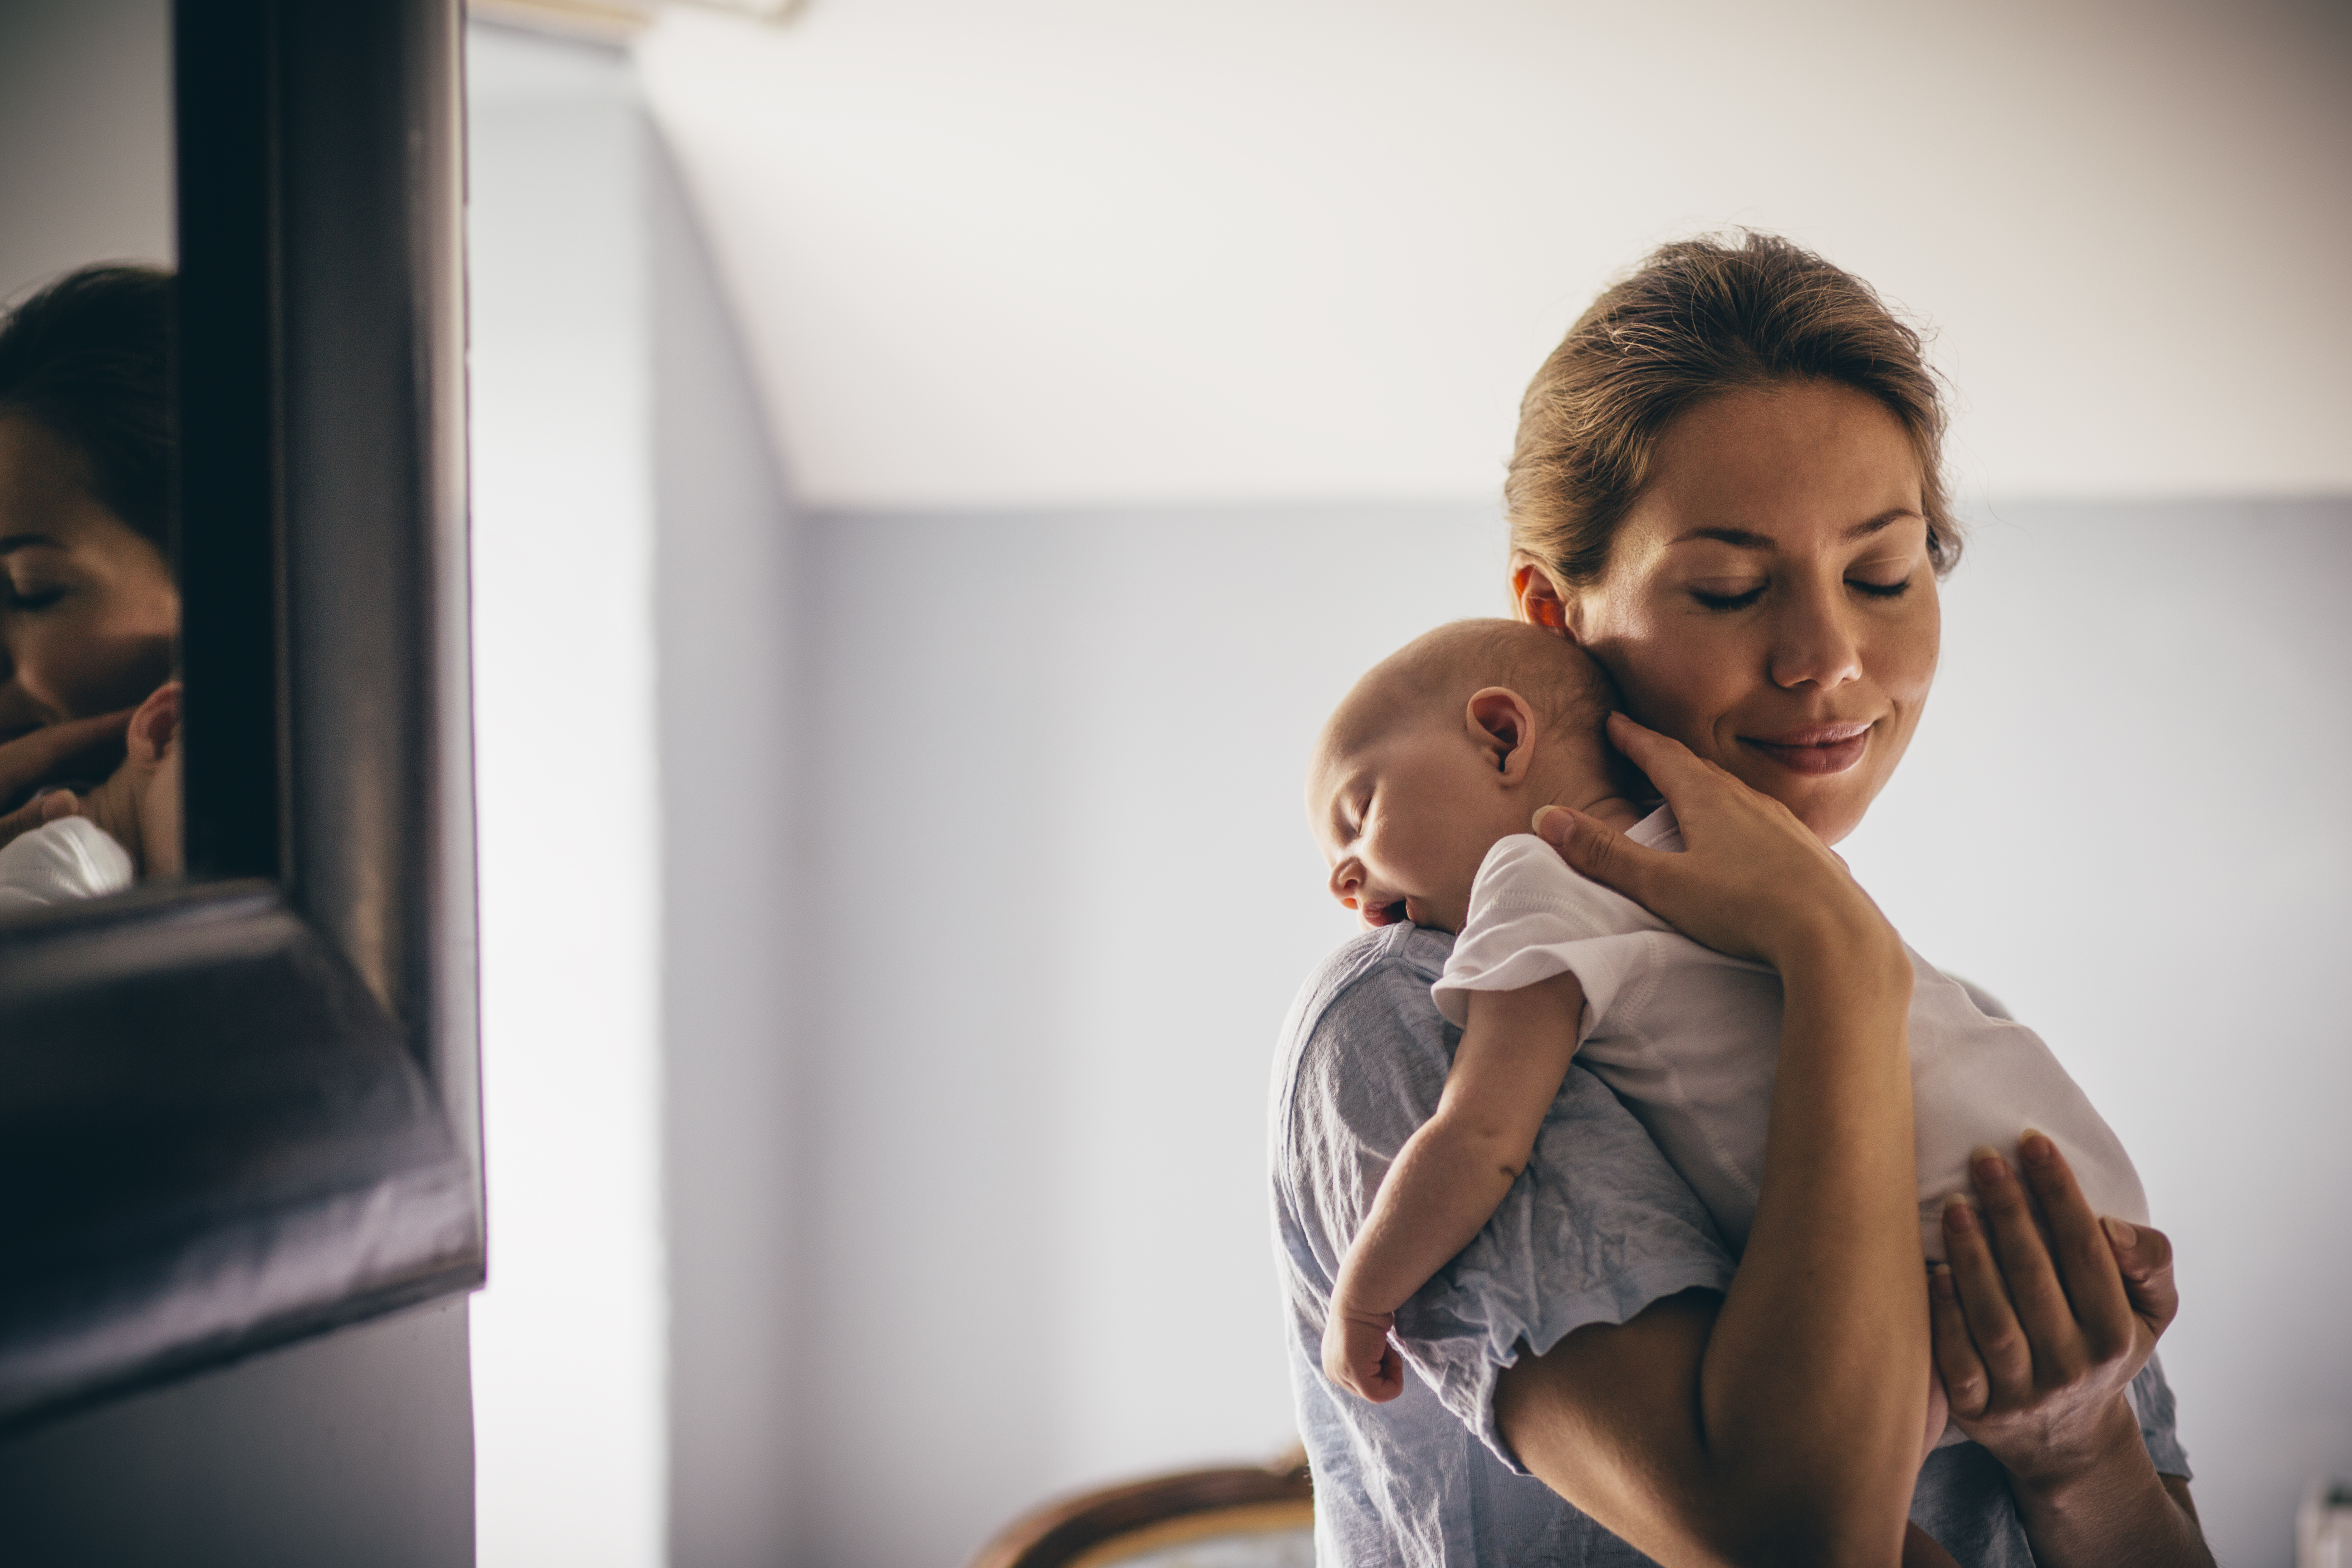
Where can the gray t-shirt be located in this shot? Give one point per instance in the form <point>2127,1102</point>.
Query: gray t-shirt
<point>1596,1229</point>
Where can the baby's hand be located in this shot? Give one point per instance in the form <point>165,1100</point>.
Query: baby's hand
<point>1356,1355</point>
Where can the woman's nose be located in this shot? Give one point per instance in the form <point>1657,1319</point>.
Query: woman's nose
<point>1815,641</point>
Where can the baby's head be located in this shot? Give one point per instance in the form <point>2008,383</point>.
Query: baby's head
<point>139,804</point>
<point>1449,744</point>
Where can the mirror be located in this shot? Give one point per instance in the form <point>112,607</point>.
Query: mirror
<point>90,606</point>
<point>237,1106</point>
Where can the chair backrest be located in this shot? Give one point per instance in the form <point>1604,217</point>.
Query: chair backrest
<point>1240,1517</point>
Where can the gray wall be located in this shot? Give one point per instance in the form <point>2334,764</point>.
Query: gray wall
<point>730,620</point>
<point>1069,893</point>
<point>85,136</point>
<point>354,1450</point>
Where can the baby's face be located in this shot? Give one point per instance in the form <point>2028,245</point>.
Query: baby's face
<point>1405,815</point>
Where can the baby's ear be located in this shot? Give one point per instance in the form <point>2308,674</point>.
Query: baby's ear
<point>1502,724</point>
<point>156,726</point>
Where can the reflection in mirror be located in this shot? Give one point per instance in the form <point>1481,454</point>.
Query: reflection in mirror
<point>89,610</point>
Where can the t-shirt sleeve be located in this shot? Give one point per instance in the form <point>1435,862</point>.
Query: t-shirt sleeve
<point>1531,917</point>
<point>1595,1229</point>
<point>2151,1401</point>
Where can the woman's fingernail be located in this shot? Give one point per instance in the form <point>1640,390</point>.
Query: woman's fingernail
<point>2035,1147</point>
<point>1958,1216</point>
<point>2121,1232</point>
<point>1940,1282</point>
<point>1988,1165</point>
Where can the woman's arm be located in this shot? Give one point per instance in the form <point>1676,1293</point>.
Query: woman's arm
<point>2036,1356</point>
<point>1451,1173</point>
<point>1780,1421</point>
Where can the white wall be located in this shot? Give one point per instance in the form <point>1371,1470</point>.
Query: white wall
<point>569,1350</point>
<point>1064,253</point>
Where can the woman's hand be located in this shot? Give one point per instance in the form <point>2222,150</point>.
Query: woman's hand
<point>1754,882</point>
<point>2035,1351</point>
<point>46,753</point>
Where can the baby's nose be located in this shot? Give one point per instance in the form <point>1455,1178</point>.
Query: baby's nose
<point>1346,879</point>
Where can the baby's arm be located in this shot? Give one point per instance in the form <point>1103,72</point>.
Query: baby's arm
<point>1451,1175</point>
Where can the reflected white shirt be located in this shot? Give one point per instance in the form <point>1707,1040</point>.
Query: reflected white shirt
<point>60,862</point>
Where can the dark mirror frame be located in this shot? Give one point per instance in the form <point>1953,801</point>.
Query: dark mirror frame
<point>245,1109</point>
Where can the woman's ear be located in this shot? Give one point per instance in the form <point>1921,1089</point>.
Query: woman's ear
<point>1536,596</point>
<point>155,726</point>
<point>1503,726</point>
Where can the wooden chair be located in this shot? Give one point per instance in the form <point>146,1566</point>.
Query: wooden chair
<point>1241,1517</point>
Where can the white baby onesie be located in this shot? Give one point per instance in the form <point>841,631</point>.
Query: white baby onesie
<point>58,862</point>
<point>1690,1040</point>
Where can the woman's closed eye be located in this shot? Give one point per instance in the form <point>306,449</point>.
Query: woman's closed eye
<point>1739,596</point>
<point>1728,592</point>
<point>1894,590</point>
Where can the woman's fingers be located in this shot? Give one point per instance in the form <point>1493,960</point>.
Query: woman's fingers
<point>2085,1259</point>
<point>1992,1325</point>
<point>1599,851</point>
<point>1665,760</point>
<point>39,754</point>
<point>2145,1256</point>
<point>1961,1369</point>
<point>2040,1301</point>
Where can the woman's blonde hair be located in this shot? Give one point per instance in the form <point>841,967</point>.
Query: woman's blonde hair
<point>1700,317</point>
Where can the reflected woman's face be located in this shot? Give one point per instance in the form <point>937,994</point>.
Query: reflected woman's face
<point>88,609</point>
<point>1768,600</point>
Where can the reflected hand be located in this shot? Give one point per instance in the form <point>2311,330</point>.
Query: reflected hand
<point>46,753</point>
<point>1356,1355</point>
<point>1753,882</point>
<point>2036,1353</point>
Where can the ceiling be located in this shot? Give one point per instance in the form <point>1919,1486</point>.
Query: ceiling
<point>1069,252</point>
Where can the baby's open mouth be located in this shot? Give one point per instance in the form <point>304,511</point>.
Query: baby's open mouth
<point>1385,915</point>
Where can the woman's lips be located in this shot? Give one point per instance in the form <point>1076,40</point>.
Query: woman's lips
<point>1813,749</point>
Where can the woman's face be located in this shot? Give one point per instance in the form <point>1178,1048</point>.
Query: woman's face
<point>88,611</point>
<point>1768,600</point>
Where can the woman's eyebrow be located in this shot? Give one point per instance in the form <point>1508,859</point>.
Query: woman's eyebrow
<point>1746,539</point>
<point>23,540</point>
<point>1887,518</point>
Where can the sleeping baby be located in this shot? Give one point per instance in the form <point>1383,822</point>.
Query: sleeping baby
<point>103,839</point>
<point>1424,783</point>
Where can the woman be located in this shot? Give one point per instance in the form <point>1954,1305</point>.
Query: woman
<point>1726,488</point>
<point>88,610</point>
